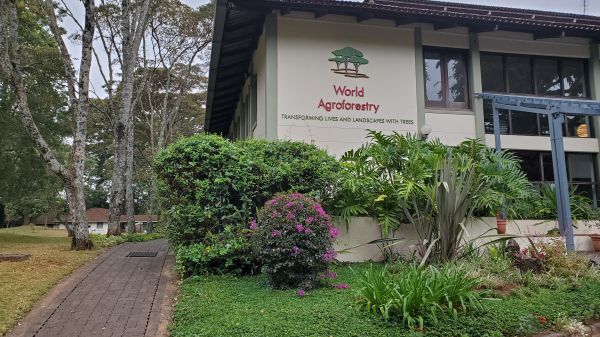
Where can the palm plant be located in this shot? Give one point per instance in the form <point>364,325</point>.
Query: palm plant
<point>433,187</point>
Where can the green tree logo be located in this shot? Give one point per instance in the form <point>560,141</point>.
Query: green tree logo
<point>347,56</point>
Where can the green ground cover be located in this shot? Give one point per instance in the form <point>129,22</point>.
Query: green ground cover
<point>23,283</point>
<point>224,306</point>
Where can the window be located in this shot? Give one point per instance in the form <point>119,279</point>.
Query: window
<point>538,75</point>
<point>99,225</point>
<point>580,170</point>
<point>446,81</point>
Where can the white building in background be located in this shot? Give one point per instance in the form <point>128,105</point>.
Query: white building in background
<point>325,72</point>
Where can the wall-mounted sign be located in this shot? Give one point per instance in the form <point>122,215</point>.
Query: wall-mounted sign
<point>332,96</point>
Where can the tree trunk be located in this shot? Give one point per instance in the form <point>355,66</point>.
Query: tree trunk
<point>129,201</point>
<point>72,178</point>
<point>131,36</point>
<point>81,238</point>
<point>26,216</point>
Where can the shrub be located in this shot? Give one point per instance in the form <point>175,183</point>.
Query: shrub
<point>204,185</point>
<point>417,292</point>
<point>293,240</point>
<point>292,167</point>
<point>226,252</point>
<point>208,182</point>
<point>559,262</point>
<point>101,240</point>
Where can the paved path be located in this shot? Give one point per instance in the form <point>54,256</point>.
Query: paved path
<point>112,296</point>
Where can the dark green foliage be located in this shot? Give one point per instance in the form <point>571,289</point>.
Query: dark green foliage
<point>101,240</point>
<point>292,166</point>
<point>416,293</point>
<point>383,175</point>
<point>542,205</point>
<point>226,252</point>
<point>293,239</point>
<point>228,306</point>
<point>207,182</point>
<point>2,214</point>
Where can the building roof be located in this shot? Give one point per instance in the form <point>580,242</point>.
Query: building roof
<point>239,24</point>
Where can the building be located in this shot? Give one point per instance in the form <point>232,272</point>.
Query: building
<point>325,72</point>
<point>97,219</point>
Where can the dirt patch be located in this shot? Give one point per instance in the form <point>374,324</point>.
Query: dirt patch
<point>14,257</point>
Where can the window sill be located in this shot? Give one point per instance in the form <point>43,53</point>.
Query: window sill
<point>451,111</point>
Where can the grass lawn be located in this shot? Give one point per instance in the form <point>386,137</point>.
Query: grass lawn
<point>23,283</point>
<point>228,306</point>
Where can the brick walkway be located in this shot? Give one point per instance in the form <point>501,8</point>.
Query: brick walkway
<point>113,296</point>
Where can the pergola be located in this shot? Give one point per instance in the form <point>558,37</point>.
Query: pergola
<point>555,109</point>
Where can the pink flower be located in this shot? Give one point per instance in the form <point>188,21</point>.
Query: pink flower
<point>301,293</point>
<point>295,251</point>
<point>275,214</point>
<point>299,228</point>
<point>320,210</point>
<point>310,219</point>
<point>253,225</point>
<point>307,230</point>
<point>329,255</point>
<point>334,232</point>
<point>341,286</point>
<point>276,233</point>
<point>291,216</point>
<point>273,202</point>
<point>328,274</point>
<point>289,204</point>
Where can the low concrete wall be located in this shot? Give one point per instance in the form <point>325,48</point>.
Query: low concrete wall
<point>354,235</point>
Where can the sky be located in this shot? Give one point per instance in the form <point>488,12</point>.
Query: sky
<point>589,7</point>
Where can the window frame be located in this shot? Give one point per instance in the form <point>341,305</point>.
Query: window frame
<point>534,89</point>
<point>445,55</point>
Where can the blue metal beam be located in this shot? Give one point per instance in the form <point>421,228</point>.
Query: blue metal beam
<point>555,109</point>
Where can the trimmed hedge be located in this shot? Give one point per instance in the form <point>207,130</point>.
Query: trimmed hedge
<point>207,182</point>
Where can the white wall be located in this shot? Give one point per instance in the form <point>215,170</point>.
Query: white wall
<point>305,77</point>
<point>361,230</point>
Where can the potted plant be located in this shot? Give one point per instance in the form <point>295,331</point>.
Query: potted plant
<point>595,237</point>
<point>501,223</point>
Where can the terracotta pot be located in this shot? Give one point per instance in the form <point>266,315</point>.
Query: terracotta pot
<point>501,225</point>
<point>596,242</point>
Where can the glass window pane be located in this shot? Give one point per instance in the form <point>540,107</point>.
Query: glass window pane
<point>492,73</point>
<point>544,127</point>
<point>433,77</point>
<point>489,119</point>
<point>577,126</point>
<point>547,168</point>
<point>519,74</point>
<point>457,78</point>
<point>530,163</point>
<point>547,78</point>
<point>524,123</point>
<point>581,168</point>
<point>573,77</point>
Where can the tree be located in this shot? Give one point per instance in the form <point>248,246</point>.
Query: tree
<point>345,55</point>
<point>25,180</point>
<point>357,61</point>
<point>12,69</point>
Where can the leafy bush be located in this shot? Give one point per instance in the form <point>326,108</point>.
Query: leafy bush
<point>101,240</point>
<point>542,205</point>
<point>292,167</point>
<point>559,262</point>
<point>417,293</point>
<point>381,176</point>
<point>293,239</point>
<point>226,252</point>
<point>208,182</point>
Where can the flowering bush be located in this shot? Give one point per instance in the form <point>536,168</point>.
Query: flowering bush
<point>293,239</point>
